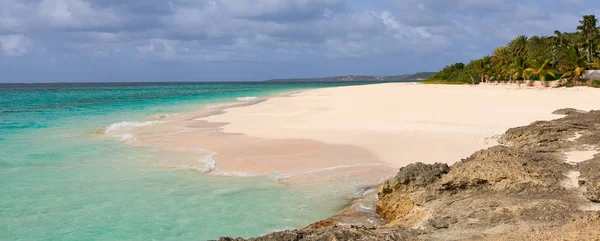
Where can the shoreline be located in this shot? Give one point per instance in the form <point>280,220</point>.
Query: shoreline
<point>332,134</point>
<point>310,129</point>
<point>498,193</point>
<point>208,132</point>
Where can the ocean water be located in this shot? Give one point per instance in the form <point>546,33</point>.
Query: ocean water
<point>60,181</point>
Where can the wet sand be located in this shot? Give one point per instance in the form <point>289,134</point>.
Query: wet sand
<point>357,132</point>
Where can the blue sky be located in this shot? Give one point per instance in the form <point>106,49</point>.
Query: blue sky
<point>237,40</point>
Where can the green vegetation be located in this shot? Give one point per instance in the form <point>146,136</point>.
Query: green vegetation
<point>359,78</point>
<point>561,56</point>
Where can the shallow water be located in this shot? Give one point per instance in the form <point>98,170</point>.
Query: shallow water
<point>61,181</point>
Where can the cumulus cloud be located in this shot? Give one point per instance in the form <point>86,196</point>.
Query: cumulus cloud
<point>75,14</point>
<point>44,15</point>
<point>15,45</point>
<point>275,10</point>
<point>267,31</point>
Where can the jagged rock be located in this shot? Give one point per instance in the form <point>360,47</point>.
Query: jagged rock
<point>337,233</point>
<point>399,195</point>
<point>418,175</point>
<point>568,111</point>
<point>585,227</point>
<point>443,222</point>
<point>502,168</point>
<point>503,186</point>
<point>590,175</point>
<point>553,136</point>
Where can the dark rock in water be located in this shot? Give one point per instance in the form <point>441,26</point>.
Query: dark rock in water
<point>568,111</point>
<point>520,190</point>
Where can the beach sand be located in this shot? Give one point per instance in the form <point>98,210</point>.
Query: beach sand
<point>358,132</point>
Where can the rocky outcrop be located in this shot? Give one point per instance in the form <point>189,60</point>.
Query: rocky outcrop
<point>521,190</point>
<point>502,168</point>
<point>568,111</point>
<point>590,178</point>
<point>338,233</point>
<point>399,195</point>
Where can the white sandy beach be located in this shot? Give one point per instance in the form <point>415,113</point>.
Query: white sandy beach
<point>362,131</point>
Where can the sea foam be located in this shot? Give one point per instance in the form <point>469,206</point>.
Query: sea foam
<point>121,126</point>
<point>247,98</point>
<point>128,137</point>
<point>162,116</point>
<point>209,163</point>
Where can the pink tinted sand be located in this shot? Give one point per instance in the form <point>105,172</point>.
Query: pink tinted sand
<point>360,132</point>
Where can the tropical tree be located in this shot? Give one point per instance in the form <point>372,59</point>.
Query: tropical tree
<point>590,34</point>
<point>518,46</point>
<point>560,39</point>
<point>507,71</point>
<point>500,57</point>
<point>538,47</point>
<point>481,67</point>
<point>572,63</point>
<point>541,71</point>
<point>565,54</point>
<point>518,69</point>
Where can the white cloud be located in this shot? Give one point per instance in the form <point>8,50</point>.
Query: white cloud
<point>15,45</point>
<point>258,30</point>
<point>276,8</point>
<point>193,51</point>
<point>23,16</point>
<point>75,14</point>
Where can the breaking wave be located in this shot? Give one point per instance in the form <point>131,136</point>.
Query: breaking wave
<point>128,137</point>
<point>126,125</point>
<point>162,116</point>
<point>247,98</point>
<point>209,164</point>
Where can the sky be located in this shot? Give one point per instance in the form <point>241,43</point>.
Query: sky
<point>250,40</point>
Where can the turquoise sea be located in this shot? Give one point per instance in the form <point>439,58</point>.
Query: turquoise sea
<point>60,181</point>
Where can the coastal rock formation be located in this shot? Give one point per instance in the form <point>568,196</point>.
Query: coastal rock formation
<point>567,111</point>
<point>337,233</point>
<point>522,189</point>
<point>399,195</point>
<point>590,178</point>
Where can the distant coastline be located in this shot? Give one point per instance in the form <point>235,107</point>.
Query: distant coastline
<point>419,76</point>
<point>358,78</point>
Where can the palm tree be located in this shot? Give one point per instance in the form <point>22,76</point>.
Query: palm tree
<point>559,39</point>
<point>572,63</point>
<point>560,42</point>
<point>517,69</point>
<point>588,29</point>
<point>541,71</point>
<point>507,72</point>
<point>481,67</point>
<point>500,57</point>
<point>518,46</point>
<point>538,47</point>
<point>499,60</point>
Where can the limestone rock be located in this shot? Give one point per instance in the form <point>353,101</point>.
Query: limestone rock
<point>568,111</point>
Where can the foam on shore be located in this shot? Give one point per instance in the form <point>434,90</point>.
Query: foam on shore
<point>247,98</point>
<point>355,132</point>
<point>127,125</point>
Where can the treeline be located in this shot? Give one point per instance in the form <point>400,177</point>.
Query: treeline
<point>561,56</point>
